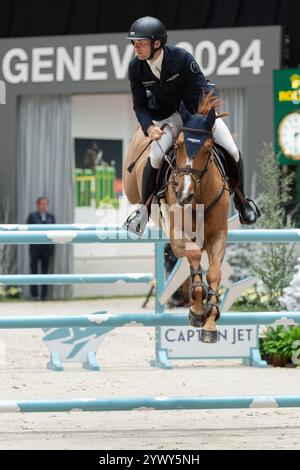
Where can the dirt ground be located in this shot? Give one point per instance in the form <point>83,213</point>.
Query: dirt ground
<point>125,371</point>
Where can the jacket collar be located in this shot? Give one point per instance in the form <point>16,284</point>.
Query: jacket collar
<point>157,63</point>
<point>165,64</point>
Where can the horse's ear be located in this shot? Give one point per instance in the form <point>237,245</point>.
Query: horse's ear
<point>180,139</point>
<point>211,117</point>
<point>185,114</point>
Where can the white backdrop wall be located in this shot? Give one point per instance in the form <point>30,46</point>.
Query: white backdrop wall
<point>107,116</point>
<point>45,160</point>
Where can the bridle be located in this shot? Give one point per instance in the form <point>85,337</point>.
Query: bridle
<point>197,175</point>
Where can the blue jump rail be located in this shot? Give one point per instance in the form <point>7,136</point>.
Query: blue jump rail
<point>154,403</point>
<point>144,319</point>
<point>151,235</point>
<point>61,279</point>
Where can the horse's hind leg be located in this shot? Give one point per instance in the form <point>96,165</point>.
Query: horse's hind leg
<point>215,249</point>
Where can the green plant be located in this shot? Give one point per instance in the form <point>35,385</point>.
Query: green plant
<point>290,337</point>
<point>281,341</point>
<point>273,263</point>
<point>13,292</point>
<point>251,301</point>
<point>273,343</point>
<point>10,292</point>
<point>107,202</point>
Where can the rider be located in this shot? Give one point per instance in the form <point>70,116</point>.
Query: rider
<point>161,78</point>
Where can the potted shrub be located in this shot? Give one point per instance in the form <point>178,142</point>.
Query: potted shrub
<point>291,337</point>
<point>274,346</point>
<point>281,344</point>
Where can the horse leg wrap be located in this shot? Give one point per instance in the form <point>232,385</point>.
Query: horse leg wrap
<point>209,306</point>
<point>195,320</point>
<point>198,283</point>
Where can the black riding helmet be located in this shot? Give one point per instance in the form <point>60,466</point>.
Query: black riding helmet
<point>151,28</point>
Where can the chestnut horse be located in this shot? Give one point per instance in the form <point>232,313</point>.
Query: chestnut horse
<point>195,178</point>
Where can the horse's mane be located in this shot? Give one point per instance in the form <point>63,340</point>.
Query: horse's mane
<point>210,101</point>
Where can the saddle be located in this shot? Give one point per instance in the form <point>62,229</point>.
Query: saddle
<point>224,161</point>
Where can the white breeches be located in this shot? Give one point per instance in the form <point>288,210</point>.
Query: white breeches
<point>167,139</point>
<point>221,135</point>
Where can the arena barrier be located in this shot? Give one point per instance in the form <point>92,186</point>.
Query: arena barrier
<point>51,279</point>
<point>63,342</point>
<point>85,233</point>
<point>152,403</point>
<point>103,319</point>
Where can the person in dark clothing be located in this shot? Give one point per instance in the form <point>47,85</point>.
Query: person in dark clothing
<point>164,80</point>
<point>42,253</point>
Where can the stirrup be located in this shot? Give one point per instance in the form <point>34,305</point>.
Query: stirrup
<point>248,200</point>
<point>136,222</point>
<point>251,205</point>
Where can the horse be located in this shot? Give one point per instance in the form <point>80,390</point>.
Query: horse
<point>195,177</point>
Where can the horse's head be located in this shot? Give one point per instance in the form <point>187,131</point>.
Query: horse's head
<point>194,145</point>
<point>193,150</point>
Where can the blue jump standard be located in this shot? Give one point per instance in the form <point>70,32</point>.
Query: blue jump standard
<point>23,279</point>
<point>122,236</point>
<point>143,319</point>
<point>155,403</point>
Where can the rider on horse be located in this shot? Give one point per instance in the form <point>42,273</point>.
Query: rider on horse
<point>161,79</point>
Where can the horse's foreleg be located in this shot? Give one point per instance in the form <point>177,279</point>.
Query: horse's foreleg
<point>181,246</point>
<point>198,289</point>
<point>215,249</point>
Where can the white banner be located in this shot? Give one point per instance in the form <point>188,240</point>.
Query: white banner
<point>184,342</point>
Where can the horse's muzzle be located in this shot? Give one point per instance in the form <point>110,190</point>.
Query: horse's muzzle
<point>185,200</point>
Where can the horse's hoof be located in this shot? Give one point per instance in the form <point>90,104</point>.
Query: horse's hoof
<point>209,336</point>
<point>195,320</point>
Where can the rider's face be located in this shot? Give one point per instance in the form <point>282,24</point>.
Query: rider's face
<point>142,48</point>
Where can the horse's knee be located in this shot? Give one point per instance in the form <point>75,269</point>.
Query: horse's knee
<point>213,276</point>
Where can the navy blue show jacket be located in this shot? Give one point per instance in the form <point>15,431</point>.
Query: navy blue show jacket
<point>181,81</point>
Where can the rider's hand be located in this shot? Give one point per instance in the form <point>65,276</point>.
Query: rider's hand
<point>155,132</point>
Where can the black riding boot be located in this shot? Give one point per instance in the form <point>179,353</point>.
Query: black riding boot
<point>137,221</point>
<point>247,209</point>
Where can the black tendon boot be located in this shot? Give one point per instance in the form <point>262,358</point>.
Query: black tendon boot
<point>248,210</point>
<point>137,221</point>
